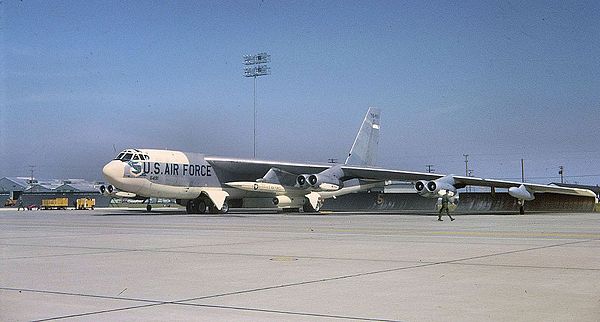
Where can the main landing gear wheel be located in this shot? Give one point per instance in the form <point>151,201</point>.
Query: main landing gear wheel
<point>200,207</point>
<point>148,208</point>
<point>196,206</point>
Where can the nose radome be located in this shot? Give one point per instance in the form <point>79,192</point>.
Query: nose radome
<point>113,170</point>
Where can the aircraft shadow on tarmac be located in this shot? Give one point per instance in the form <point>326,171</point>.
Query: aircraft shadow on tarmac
<point>246,212</point>
<point>141,212</point>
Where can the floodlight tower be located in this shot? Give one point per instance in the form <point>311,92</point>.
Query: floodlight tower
<point>256,65</point>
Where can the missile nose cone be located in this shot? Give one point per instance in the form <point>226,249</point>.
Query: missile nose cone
<point>242,185</point>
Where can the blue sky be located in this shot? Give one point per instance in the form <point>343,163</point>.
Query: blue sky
<point>500,81</point>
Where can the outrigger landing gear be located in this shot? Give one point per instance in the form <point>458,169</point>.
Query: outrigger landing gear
<point>521,207</point>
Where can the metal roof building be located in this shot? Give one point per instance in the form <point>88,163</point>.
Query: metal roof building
<point>26,184</point>
<point>77,187</point>
<point>8,184</point>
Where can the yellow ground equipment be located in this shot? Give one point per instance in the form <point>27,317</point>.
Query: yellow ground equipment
<point>56,203</point>
<point>86,203</point>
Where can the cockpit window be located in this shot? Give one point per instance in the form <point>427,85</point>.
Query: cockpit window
<point>136,157</point>
<point>127,157</point>
<point>118,157</point>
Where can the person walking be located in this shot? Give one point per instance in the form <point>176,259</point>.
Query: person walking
<point>21,205</point>
<point>445,200</point>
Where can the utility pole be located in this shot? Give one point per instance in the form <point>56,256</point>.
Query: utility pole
<point>429,168</point>
<point>522,170</point>
<point>466,168</point>
<point>31,168</point>
<point>256,66</point>
<point>561,172</point>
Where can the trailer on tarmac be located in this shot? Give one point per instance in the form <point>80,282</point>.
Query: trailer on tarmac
<point>86,203</point>
<point>56,203</point>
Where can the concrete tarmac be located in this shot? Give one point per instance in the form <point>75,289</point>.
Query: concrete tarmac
<point>129,265</point>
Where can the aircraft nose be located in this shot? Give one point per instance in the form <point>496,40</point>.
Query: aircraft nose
<point>113,170</point>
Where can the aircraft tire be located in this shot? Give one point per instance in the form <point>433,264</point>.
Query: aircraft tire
<point>200,207</point>
<point>148,208</point>
<point>308,208</point>
<point>521,210</point>
<point>224,209</point>
<point>189,207</point>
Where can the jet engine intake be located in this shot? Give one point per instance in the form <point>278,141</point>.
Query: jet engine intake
<point>288,202</point>
<point>302,181</point>
<point>436,188</point>
<point>420,187</point>
<point>107,190</point>
<point>321,182</point>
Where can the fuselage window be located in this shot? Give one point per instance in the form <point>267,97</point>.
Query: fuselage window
<point>127,157</point>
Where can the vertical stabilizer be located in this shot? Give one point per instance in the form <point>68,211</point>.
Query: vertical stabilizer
<point>365,145</point>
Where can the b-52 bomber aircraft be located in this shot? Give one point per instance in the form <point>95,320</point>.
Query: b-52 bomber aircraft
<point>204,183</point>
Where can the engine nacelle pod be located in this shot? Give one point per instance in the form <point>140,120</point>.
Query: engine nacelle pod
<point>324,183</point>
<point>436,188</point>
<point>421,190</point>
<point>302,181</point>
<point>440,188</point>
<point>288,202</point>
<point>521,193</point>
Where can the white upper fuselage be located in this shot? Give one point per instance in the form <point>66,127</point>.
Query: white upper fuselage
<point>161,173</point>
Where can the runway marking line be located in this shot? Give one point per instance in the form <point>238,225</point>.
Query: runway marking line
<point>508,234</point>
<point>329,279</point>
